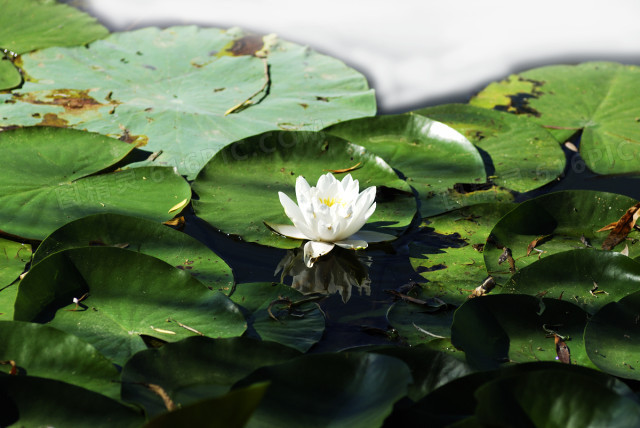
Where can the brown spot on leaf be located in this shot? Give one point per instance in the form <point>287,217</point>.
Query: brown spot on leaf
<point>247,45</point>
<point>74,101</point>
<point>137,140</point>
<point>51,119</point>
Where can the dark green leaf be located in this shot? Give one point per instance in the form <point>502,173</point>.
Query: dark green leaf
<point>566,220</point>
<point>49,178</point>
<point>43,351</point>
<point>496,329</point>
<point>195,369</point>
<point>523,155</point>
<point>448,252</point>
<point>278,313</point>
<point>339,390</point>
<point>610,337</point>
<point>130,294</point>
<point>590,279</point>
<point>430,155</point>
<point>34,402</point>
<point>143,236</point>
<point>232,410</point>
<point>554,398</point>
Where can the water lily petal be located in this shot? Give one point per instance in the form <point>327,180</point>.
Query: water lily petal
<point>371,236</point>
<point>286,230</point>
<point>353,244</point>
<point>314,250</point>
<point>297,217</point>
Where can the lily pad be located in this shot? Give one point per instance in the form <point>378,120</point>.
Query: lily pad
<point>278,313</point>
<point>49,178</point>
<point>592,97</point>
<point>232,410</point>
<point>238,188</point>
<point>495,329</point>
<point>430,155</point>
<point>523,154</point>
<point>339,390</point>
<point>186,91</point>
<point>559,221</point>
<point>569,399</point>
<point>590,279</point>
<point>29,401</point>
<point>43,351</point>
<point>9,75</point>
<point>143,236</point>
<point>457,400</point>
<point>419,324</point>
<point>448,251</point>
<point>611,337</point>
<point>430,368</point>
<point>26,25</point>
<point>195,369</point>
<point>14,257</point>
<point>127,295</point>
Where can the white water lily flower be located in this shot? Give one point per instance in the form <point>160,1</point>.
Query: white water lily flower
<point>331,213</point>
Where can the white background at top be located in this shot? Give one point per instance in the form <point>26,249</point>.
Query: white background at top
<point>415,53</point>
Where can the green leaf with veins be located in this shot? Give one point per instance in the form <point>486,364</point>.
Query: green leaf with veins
<point>597,98</point>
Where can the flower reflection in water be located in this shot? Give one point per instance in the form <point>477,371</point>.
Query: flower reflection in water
<point>337,272</point>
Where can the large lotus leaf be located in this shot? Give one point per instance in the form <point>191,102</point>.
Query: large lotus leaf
<point>594,97</point>
<point>448,250</point>
<point>430,368</point>
<point>29,401</point>
<point>338,390</point>
<point>495,329</point>
<point>143,236</point>
<point>557,222</point>
<point>523,155</point>
<point>430,155</point>
<point>48,178</point>
<point>590,279</point>
<point>238,188</point>
<point>187,91</point>
<point>195,369</point>
<point>455,401</point>
<point>420,323</point>
<point>9,75</point>
<point>545,398</point>
<point>26,25</point>
<point>228,411</point>
<point>129,295</point>
<point>278,313</point>
<point>611,337</point>
<point>43,351</point>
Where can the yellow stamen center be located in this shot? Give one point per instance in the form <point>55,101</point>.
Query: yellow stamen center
<point>330,201</point>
